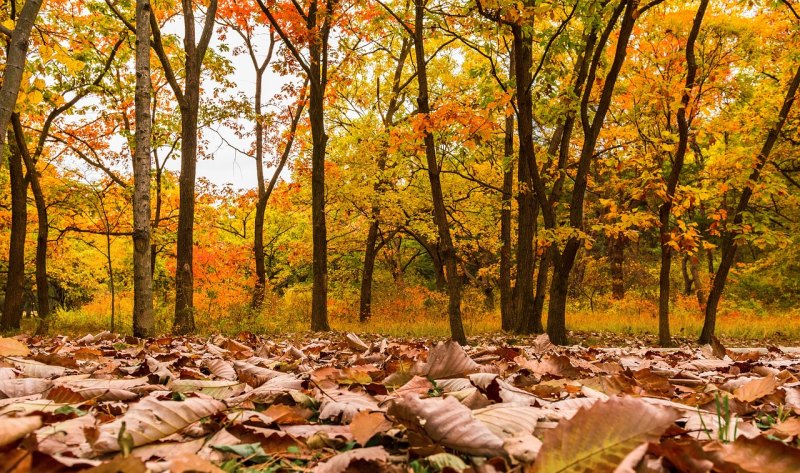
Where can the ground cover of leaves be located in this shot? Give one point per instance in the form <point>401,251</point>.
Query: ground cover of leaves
<point>336,403</point>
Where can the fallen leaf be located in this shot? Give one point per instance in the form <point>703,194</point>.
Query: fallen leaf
<point>343,461</point>
<point>15,428</point>
<point>366,425</point>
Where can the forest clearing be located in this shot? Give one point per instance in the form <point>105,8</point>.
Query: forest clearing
<point>421,236</point>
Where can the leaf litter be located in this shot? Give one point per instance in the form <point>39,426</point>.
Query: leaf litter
<point>345,402</point>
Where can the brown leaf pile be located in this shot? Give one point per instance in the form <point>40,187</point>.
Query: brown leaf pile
<point>249,403</point>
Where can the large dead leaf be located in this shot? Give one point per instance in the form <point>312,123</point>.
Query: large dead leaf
<point>366,425</point>
<point>35,369</point>
<point>343,461</point>
<point>23,387</point>
<point>150,419</point>
<point>447,360</point>
<point>756,389</point>
<point>509,420</point>
<point>254,375</point>
<point>759,455</point>
<point>15,428</point>
<point>221,369</point>
<point>218,389</point>
<point>597,439</point>
<point>449,423</point>
<point>13,347</point>
<point>344,404</point>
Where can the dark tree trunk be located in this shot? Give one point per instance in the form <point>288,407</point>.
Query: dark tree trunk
<point>664,337</point>
<point>143,317</point>
<point>556,314</point>
<point>616,260</point>
<point>506,296</point>
<point>319,296</point>
<point>688,282</point>
<point>16,56</point>
<point>728,246</point>
<point>370,250</point>
<point>258,222</point>
<point>15,283</point>
<point>523,290</point>
<point>446,248</point>
<point>365,301</point>
<point>184,280</point>
<point>699,284</point>
<point>42,229</point>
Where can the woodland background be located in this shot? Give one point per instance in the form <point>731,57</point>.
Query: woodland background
<point>594,165</point>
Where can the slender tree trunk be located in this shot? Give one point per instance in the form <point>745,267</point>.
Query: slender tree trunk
<point>728,246</point>
<point>688,282</point>
<point>143,318</point>
<point>184,282</point>
<point>156,220</point>
<point>556,314</point>
<point>15,283</point>
<point>616,259</point>
<point>42,228</point>
<point>319,296</point>
<point>523,291</point>
<point>16,55</point>
<point>111,285</point>
<point>258,222</point>
<point>446,248</point>
<point>664,337</point>
<point>506,297</point>
<point>699,284</point>
<point>365,300</point>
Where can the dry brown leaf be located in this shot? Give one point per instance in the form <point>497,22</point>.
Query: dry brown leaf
<point>509,420</point>
<point>449,423</point>
<point>356,343</point>
<point>342,461</point>
<point>366,425</point>
<point>15,428</point>
<point>150,419</point>
<point>221,369</point>
<point>523,448</point>
<point>336,402</point>
<point>20,387</point>
<point>191,463</point>
<point>447,360</point>
<point>597,439</point>
<point>254,375</point>
<point>758,455</point>
<point>13,347</point>
<point>756,389</point>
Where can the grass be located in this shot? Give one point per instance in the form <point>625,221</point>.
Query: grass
<point>417,312</point>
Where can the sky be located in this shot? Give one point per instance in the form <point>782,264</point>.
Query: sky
<point>229,165</point>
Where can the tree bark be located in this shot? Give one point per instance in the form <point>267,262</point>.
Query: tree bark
<point>728,246</point>
<point>526,163</point>
<point>664,337</point>
<point>556,314</point>
<point>616,259</point>
<point>263,199</point>
<point>370,250</point>
<point>15,283</point>
<point>143,317</point>
<point>439,211</point>
<point>507,316</point>
<point>189,103</point>
<point>42,228</point>
<point>16,56</point>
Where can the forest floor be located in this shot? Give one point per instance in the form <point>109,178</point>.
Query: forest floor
<point>341,402</point>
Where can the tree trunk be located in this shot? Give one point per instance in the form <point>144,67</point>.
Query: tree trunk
<point>688,282</point>
<point>699,285</point>
<point>143,317</point>
<point>111,286</point>
<point>365,301</point>
<point>664,337</point>
<point>728,246</point>
<point>523,291</point>
<point>42,230</point>
<point>556,315</point>
<point>258,222</point>
<point>506,297</point>
<point>616,259</point>
<point>446,248</point>
<point>319,295</point>
<point>184,283</point>
<point>16,55</point>
<point>15,284</point>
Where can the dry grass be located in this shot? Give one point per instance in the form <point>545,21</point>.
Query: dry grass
<point>417,312</point>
